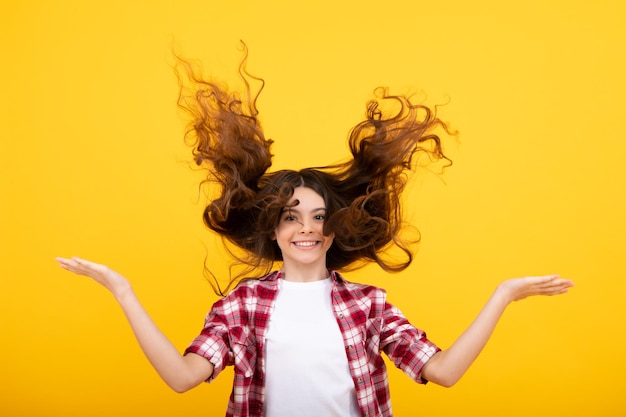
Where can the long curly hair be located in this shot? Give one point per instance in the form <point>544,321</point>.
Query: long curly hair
<point>362,194</point>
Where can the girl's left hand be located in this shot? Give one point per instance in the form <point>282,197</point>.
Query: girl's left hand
<point>519,288</point>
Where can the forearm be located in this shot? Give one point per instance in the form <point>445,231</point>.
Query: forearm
<point>448,366</point>
<point>181,373</point>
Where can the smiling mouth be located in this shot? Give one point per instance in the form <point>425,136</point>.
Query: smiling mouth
<point>306,244</point>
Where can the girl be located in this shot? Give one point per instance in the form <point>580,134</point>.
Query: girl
<point>303,340</point>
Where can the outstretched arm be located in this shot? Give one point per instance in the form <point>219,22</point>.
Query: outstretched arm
<point>181,373</point>
<point>448,366</point>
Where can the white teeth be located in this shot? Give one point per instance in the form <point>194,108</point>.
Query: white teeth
<point>305,243</point>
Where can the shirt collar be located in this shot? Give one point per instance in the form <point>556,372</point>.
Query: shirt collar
<point>276,275</point>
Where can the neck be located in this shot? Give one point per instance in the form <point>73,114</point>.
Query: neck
<point>304,273</point>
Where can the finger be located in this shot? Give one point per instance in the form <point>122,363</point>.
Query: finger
<point>557,291</point>
<point>82,262</point>
<point>65,263</point>
<point>77,265</point>
<point>561,286</point>
<point>552,281</point>
<point>546,279</point>
<point>558,283</point>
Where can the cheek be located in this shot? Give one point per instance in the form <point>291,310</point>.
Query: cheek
<point>281,233</point>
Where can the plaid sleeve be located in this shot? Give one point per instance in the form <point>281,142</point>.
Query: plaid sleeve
<point>212,342</point>
<point>407,346</point>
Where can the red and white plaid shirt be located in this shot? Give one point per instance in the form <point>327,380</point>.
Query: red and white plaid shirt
<point>235,329</point>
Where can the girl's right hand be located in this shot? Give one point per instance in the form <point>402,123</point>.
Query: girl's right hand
<point>102,274</point>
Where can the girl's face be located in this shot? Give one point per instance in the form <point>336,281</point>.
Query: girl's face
<point>300,231</point>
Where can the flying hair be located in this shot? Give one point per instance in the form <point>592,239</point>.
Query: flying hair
<point>362,194</point>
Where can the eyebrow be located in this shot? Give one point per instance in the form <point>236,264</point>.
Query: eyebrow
<point>290,209</point>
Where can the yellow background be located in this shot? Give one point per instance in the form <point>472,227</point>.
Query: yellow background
<point>93,164</point>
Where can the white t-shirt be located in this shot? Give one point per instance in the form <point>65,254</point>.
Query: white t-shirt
<point>307,372</point>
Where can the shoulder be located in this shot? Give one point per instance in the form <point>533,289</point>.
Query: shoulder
<point>251,288</point>
<point>362,292</point>
<point>250,295</point>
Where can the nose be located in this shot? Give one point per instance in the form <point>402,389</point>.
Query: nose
<point>306,227</point>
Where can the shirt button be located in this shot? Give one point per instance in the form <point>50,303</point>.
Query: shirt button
<point>340,315</point>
